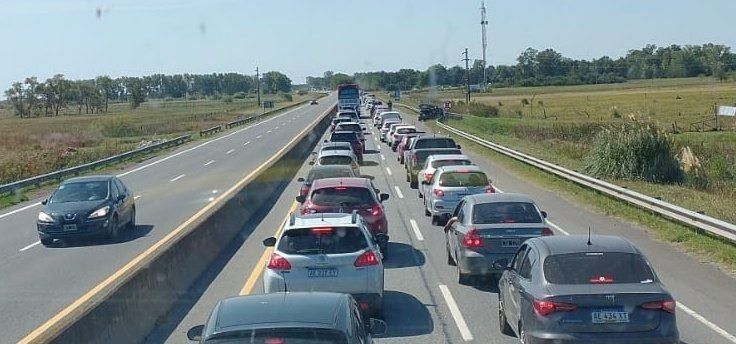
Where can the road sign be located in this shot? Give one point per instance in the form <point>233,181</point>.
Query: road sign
<point>727,111</point>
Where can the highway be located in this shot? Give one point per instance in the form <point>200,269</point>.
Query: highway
<point>37,282</point>
<point>424,302</point>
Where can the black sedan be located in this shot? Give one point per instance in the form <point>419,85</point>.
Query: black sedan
<point>84,207</point>
<point>294,317</point>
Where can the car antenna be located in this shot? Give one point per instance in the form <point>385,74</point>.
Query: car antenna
<point>589,243</point>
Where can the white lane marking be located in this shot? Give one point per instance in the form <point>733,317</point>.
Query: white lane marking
<point>378,147</point>
<point>383,157</point>
<point>557,228</point>
<point>136,196</point>
<point>29,246</point>
<point>276,128</point>
<point>455,311</point>
<point>398,192</point>
<point>247,143</point>
<point>208,163</point>
<point>230,151</point>
<point>388,170</point>
<point>269,131</point>
<point>177,177</point>
<point>707,323</point>
<point>214,191</point>
<point>20,209</point>
<point>414,227</point>
<point>259,136</point>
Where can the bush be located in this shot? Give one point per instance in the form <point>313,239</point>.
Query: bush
<point>478,109</point>
<point>119,128</point>
<point>216,96</point>
<point>635,151</point>
<point>302,92</point>
<point>287,97</point>
<point>227,99</point>
<point>240,95</point>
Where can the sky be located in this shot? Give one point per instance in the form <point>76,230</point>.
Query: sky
<point>307,37</point>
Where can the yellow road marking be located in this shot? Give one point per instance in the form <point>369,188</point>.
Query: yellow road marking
<point>255,273</point>
<point>56,323</point>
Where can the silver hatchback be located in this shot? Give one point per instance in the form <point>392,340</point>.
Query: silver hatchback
<point>448,186</point>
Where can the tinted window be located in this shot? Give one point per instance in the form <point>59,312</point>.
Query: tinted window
<point>343,137</point>
<point>327,240</point>
<point>341,195</point>
<point>459,179</point>
<point>526,265</point>
<point>440,163</point>
<point>348,93</point>
<point>435,143</point>
<point>423,154</point>
<point>335,160</point>
<point>505,212</point>
<point>387,124</point>
<point>391,116</point>
<point>79,192</point>
<point>322,173</point>
<point>590,267</point>
<point>286,335</point>
<point>337,148</point>
<point>406,130</point>
<point>350,127</point>
<point>519,258</point>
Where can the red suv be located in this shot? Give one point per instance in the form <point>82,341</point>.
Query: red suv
<point>343,195</point>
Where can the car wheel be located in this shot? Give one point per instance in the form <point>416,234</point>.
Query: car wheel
<point>462,278</point>
<point>522,335</point>
<point>112,232</point>
<point>503,323</point>
<point>46,241</point>
<point>408,179</point>
<point>426,211</point>
<point>450,261</point>
<point>384,251</point>
<point>435,220</point>
<point>414,185</point>
<point>131,224</point>
<point>420,194</point>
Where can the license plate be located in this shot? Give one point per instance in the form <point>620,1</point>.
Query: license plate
<point>70,228</point>
<point>322,273</point>
<point>609,317</point>
<point>510,243</point>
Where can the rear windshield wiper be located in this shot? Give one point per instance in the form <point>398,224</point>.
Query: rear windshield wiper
<point>310,250</point>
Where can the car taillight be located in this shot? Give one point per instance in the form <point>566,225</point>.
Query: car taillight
<point>438,193</point>
<point>278,263</point>
<point>428,177</point>
<point>490,189</point>
<point>665,305</point>
<point>472,239</point>
<point>366,259</point>
<point>376,210</point>
<point>273,340</point>
<point>546,231</point>
<point>544,307</point>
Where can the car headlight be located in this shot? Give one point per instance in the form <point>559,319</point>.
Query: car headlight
<point>43,217</point>
<point>100,212</point>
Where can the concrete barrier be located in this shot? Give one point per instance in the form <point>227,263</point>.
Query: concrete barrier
<point>132,302</point>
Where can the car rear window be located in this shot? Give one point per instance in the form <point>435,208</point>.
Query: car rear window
<point>342,195</point>
<point>391,115</point>
<point>387,124</point>
<point>458,162</point>
<point>80,192</point>
<point>343,137</point>
<point>337,148</point>
<point>335,160</point>
<point>406,130</point>
<point>454,179</point>
<point>322,173</point>
<point>505,212</point>
<point>597,268</point>
<point>323,240</point>
<point>435,143</point>
<point>423,154</point>
<point>281,335</point>
<point>350,127</point>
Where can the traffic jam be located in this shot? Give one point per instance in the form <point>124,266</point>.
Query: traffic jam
<point>329,256</point>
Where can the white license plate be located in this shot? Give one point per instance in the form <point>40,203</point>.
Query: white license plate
<point>70,228</point>
<point>322,273</point>
<point>609,317</point>
<point>510,243</point>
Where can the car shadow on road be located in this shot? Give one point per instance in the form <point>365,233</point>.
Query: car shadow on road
<point>405,315</point>
<point>403,256</point>
<point>126,235</point>
<point>371,151</point>
<point>368,163</point>
<point>486,284</point>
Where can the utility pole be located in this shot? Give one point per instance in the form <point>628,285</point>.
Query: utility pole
<point>483,24</point>
<point>258,86</point>
<point>467,77</point>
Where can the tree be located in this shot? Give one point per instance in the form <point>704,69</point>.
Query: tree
<point>15,94</point>
<point>136,92</point>
<point>106,86</point>
<point>275,82</point>
<point>339,78</point>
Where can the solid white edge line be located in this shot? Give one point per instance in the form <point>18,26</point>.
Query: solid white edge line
<point>398,192</point>
<point>414,227</point>
<point>20,209</point>
<point>388,170</point>
<point>177,178</point>
<point>455,312</point>
<point>29,246</point>
<point>259,136</point>
<point>707,323</point>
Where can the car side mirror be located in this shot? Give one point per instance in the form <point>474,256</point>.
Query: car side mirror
<point>301,199</point>
<point>45,201</point>
<point>377,327</point>
<point>544,214</point>
<point>121,198</point>
<point>269,242</point>
<point>300,179</point>
<point>458,147</point>
<point>381,239</point>
<point>325,141</point>
<point>384,197</point>
<point>501,264</point>
<point>195,333</point>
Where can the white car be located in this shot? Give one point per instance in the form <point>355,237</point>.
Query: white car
<point>331,252</point>
<point>436,161</point>
<point>390,132</point>
<point>386,126</point>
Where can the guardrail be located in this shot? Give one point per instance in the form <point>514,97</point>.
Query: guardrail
<point>56,175</point>
<point>215,129</point>
<point>699,221</point>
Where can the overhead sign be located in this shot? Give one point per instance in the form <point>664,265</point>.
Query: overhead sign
<point>727,111</point>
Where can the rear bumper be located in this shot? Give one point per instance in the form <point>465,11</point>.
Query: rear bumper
<point>651,337</point>
<point>479,264</point>
<point>442,207</point>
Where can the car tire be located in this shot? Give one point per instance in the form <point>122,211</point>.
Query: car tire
<point>413,184</point>
<point>435,220</point>
<point>463,278</point>
<point>112,233</point>
<point>384,252</point>
<point>419,193</point>
<point>450,261</point>
<point>131,223</point>
<point>503,323</point>
<point>522,334</point>
<point>46,241</point>
<point>408,179</point>
<point>378,308</point>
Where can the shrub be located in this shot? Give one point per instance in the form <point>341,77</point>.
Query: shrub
<point>615,113</point>
<point>634,150</point>
<point>287,96</point>
<point>216,96</point>
<point>302,92</point>
<point>227,99</point>
<point>240,95</point>
<point>119,128</point>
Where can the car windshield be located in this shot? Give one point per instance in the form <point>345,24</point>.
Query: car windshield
<point>344,137</point>
<point>297,335</point>
<point>80,192</point>
<point>597,268</point>
<point>335,160</point>
<point>463,179</point>
<point>323,240</point>
<point>342,195</point>
<point>505,212</point>
<point>453,162</point>
<point>336,171</point>
<point>435,143</point>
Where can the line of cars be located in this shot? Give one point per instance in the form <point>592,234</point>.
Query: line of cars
<point>551,289</point>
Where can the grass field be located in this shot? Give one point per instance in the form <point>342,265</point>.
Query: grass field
<point>574,114</point>
<point>32,146</point>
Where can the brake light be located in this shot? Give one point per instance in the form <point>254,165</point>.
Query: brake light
<point>278,263</point>
<point>665,305</point>
<point>366,259</point>
<point>363,306</point>
<point>376,210</point>
<point>322,230</point>
<point>544,307</point>
<point>546,231</point>
<point>274,341</point>
<point>428,177</point>
<point>438,193</point>
<point>603,279</point>
<point>341,188</point>
<point>472,239</point>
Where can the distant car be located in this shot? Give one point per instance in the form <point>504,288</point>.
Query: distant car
<point>416,160</point>
<point>339,120</point>
<point>335,195</point>
<point>313,102</point>
<point>449,185</point>
<point>429,111</point>
<point>386,136</point>
<point>436,161</point>
<point>355,127</point>
<point>86,207</point>
<point>352,114</point>
<point>398,134</point>
<point>486,228</point>
<point>338,158</point>
<point>332,252</point>
<point>580,289</point>
<point>326,171</point>
<point>385,127</point>
<point>404,145</point>
<point>312,317</point>
<point>389,115</point>
<point>354,140</point>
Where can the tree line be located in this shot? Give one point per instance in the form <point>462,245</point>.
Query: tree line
<point>32,97</point>
<point>549,67</point>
